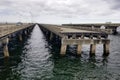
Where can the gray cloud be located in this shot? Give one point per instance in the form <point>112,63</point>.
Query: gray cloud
<point>62,10</point>
<point>115,4</point>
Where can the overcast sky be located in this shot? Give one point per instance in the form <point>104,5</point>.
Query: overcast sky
<point>60,11</point>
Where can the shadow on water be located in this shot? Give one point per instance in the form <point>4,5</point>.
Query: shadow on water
<point>38,59</point>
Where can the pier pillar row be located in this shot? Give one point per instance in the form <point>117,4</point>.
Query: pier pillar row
<point>5,47</point>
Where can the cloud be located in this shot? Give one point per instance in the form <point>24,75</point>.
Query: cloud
<point>115,4</point>
<point>61,10</point>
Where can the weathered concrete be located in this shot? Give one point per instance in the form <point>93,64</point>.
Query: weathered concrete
<point>72,36</point>
<point>79,49</point>
<point>7,31</point>
<point>20,37</point>
<point>92,49</point>
<point>51,36</point>
<point>63,49</point>
<point>106,48</point>
<point>5,47</point>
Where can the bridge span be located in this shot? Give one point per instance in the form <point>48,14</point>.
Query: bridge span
<point>72,36</point>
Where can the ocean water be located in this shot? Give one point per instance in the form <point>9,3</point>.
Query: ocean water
<point>37,59</point>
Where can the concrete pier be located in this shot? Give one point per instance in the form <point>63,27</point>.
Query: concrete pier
<point>10,31</point>
<point>71,36</point>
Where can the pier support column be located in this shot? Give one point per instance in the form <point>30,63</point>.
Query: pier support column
<point>92,49</point>
<point>5,47</point>
<point>82,36</point>
<point>115,31</point>
<point>91,36</point>
<point>106,48</point>
<point>63,46</point>
<point>20,37</point>
<point>28,31</point>
<point>63,49</point>
<point>25,32</point>
<point>74,36</point>
<point>51,35</point>
<point>79,49</point>
<point>98,37</point>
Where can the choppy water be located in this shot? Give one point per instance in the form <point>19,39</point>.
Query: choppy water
<point>36,59</point>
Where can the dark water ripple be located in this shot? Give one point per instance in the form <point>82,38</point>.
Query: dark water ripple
<point>36,59</point>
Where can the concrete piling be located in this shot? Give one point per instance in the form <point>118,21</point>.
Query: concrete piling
<point>20,37</point>
<point>79,49</point>
<point>92,49</point>
<point>51,35</point>
<point>5,47</point>
<point>106,48</point>
<point>25,32</point>
<point>63,49</point>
